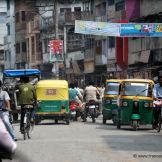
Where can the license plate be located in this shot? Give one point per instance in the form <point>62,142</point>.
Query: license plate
<point>92,107</point>
<point>73,112</point>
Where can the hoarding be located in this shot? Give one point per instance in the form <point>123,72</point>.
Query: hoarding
<point>56,50</point>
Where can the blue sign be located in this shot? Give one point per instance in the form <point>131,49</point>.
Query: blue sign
<point>141,30</point>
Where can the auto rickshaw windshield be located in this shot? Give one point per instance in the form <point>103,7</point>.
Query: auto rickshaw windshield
<point>112,88</point>
<point>135,89</point>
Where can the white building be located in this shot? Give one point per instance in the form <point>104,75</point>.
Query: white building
<point>3,10</point>
<point>9,39</point>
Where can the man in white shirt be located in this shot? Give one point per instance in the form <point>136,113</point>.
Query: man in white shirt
<point>4,111</point>
<point>91,92</point>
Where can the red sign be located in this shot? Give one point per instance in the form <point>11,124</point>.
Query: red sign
<point>56,50</point>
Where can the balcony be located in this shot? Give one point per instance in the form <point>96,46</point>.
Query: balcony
<point>33,26</point>
<point>101,18</point>
<point>100,60</point>
<point>89,54</point>
<point>70,17</point>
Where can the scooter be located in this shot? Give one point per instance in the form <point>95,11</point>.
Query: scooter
<point>74,110</point>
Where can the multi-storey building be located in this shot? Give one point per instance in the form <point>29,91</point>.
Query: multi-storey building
<point>3,14</point>
<point>9,38</point>
<point>145,53</point>
<point>23,11</point>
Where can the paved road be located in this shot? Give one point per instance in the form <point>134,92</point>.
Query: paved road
<point>87,142</point>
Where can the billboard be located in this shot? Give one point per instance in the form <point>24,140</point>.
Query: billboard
<point>97,28</point>
<point>119,29</point>
<point>56,50</point>
<point>141,30</point>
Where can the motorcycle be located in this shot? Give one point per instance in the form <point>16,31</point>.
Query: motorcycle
<point>91,110</point>
<point>74,110</point>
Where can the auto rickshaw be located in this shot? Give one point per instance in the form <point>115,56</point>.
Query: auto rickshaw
<point>53,100</point>
<point>135,103</point>
<point>11,81</point>
<point>110,100</point>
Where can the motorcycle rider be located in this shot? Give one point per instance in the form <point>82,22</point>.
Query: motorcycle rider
<point>4,111</point>
<point>157,92</point>
<point>91,92</point>
<point>74,93</point>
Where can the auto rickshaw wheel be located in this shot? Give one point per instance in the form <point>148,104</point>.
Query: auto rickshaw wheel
<point>135,124</point>
<point>37,120</point>
<point>104,121</point>
<point>67,121</point>
<point>118,125</point>
<point>15,116</point>
<point>56,121</point>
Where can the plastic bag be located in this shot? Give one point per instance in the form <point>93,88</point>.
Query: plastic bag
<point>7,145</point>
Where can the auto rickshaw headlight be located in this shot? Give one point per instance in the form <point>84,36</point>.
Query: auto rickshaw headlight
<point>146,104</point>
<point>125,103</point>
<point>151,104</point>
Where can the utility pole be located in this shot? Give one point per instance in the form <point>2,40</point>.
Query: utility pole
<point>55,21</point>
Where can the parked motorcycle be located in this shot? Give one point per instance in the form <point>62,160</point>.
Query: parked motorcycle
<point>91,110</point>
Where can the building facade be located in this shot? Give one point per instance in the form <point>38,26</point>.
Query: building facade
<point>3,31</point>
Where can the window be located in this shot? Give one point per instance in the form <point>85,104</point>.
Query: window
<point>8,29</point>
<point>5,55</point>
<point>63,10</point>
<point>33,45</point>
<point>23,17</point>
<point>38,43</point>
<point>23,46</point>
<point>110,2</point>
<point>17,47</point>
<point>120,6</point>
<point>8,4</point>
<point>111,42</point>
<point>17,17</point>
<point>77,9</point>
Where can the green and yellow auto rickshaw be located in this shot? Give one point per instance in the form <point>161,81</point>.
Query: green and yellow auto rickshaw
<point>135,103</point>
<point>110,100</point>
<point>53,100</point>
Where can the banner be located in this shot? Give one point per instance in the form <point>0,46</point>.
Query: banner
<point>97,28</point>
<point>119,29</point>
<point>56,50</point>
<point>141,30</point>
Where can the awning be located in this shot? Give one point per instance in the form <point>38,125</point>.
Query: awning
<point>145,56</point>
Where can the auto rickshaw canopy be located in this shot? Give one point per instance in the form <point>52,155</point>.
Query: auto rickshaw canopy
<point>52,90</point>
<point>21,72</point>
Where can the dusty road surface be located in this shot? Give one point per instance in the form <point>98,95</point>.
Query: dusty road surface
<point>88,142</point>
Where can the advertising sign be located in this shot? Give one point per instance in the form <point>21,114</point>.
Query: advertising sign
<point>141,30</point>
<point>56,50</point>
<point>97,28</point>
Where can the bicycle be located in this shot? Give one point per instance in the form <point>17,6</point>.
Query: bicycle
<point>28,126</point>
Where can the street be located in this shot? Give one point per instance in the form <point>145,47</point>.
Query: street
<point>88,142</point>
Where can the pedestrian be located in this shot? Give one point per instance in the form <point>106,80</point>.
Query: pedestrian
<point>4,111</point>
